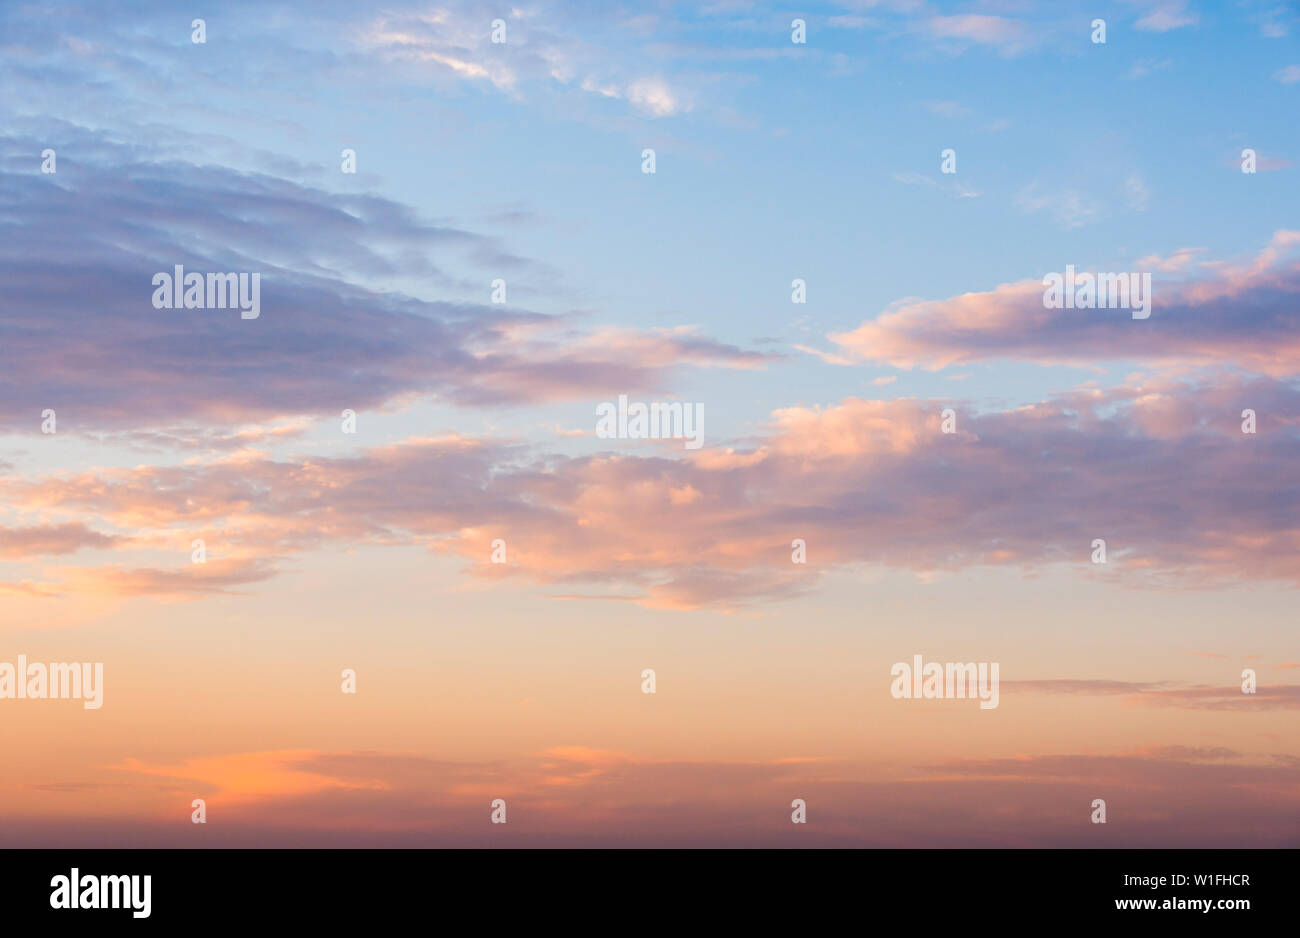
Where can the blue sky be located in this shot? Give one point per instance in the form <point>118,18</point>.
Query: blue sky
<point>775,160</point>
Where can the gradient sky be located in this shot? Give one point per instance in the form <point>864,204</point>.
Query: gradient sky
<point>476,421</point>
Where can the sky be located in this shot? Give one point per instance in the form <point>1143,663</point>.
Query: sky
<point>397,470</point>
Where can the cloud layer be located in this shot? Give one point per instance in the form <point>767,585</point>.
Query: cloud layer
<point>862,482</point>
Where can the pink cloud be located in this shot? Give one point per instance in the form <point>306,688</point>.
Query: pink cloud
<point>979,28</point>
<point>862,482</point>
<point>1245,314</point>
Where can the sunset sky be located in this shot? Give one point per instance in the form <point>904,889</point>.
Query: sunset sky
<point>475,421</point>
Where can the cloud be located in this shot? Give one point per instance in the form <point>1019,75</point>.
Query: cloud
<point>1178,261</point>
<point>946,108</point>
<point>1187,697</point>
<point>1085,687</point>
<point>250,776</point>
<point>52,539</point>
<point>1139,196</point>
<point>1288,76</point>
<point>537,54</point>
<point>218,576</point>
<point>83,338</point>
<point>866,483</point>
<point>1143,67</point>
<point>1069,208</point>
<point>579,796</point>
<point>949,185</point>
<point>853,22</point>
<point>654,96</point>
<point>1243,314</point>
<point>1166,15</point>
<point>1007,34</point>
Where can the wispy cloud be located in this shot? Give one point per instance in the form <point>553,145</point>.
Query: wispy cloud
<point>328,332</point>
<point>1161,16</point>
